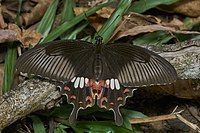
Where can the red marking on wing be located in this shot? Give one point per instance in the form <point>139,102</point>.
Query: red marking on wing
<point>103,100</point>
<point>88,100</point>
<point>96,87</point>
<point>66,88</point>
<point>112,105</point>
<point>126,90</point>
<point>73,97</point>
<point>119,99</point>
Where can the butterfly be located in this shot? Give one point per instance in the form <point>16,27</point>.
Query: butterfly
<point>105,74</point>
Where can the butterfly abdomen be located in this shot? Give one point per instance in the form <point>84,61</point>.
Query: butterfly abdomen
<point>97,66</point>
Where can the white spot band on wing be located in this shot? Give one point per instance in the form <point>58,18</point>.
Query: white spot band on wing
<point>81,84</point>
<point>73,79</point>
<point>112,84</point>
<point>76,83</point>
<point>117,85</point>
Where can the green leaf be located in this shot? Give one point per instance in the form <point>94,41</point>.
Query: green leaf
<point>67,25</point>
<point>47,21</point>
<point>196,37</point>
<point>66,15</point>
<point>73,33</point>
<point>108,28</point>
<point>17,19</point>
<point>129,114</point>
<point>183,37</point>
<point>144,5</point>
<point>99,127</point>
<point>60,128</point>
<point>37,124</point>
<point>132,114</point>
<point>63,111</point>
<point>158,37</point>
<point>10,59</point>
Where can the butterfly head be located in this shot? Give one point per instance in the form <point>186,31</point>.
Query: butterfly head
<point>98,40</point>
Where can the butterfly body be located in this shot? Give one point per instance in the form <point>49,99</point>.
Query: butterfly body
<point>106,73</point>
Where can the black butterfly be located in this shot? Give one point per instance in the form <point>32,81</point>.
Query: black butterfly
<point>106,73</point>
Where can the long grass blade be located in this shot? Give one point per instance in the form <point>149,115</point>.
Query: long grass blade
<point>67,25</point>
<point>10,59</point>
<point>108,28</point>
<point>47,21</point>
<point>68,14</point>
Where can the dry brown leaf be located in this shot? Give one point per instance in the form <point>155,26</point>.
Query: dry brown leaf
<point>26,37</point>
<point>133,20</point>
<point>94,2</point>
<point>105,12</point>
<point>79,10</point>
<point>151,28</point>
<point>186,7</point>
<point>175,22</point>
<point>30,37</point>
<point>2,23</point>
<point>98,19</point>
<point>16,29</point>
<point>9,15</point>
<point>30,13</point>
<point>7,36</point>
<point>36,13</point>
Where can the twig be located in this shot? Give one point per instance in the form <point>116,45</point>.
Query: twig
<point>152,119</point>
<point>191,125</point>
<point>173,115</point>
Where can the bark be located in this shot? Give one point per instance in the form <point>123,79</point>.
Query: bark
<point>33,95</point>
<point>185,57</point>
<point>28,97</point>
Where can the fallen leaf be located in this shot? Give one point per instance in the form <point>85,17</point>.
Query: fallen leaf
<point>30,37</point>
<point>2,23</point>
<point>7,36</point>
<point>175,22</point>
<point>186,7</point>
<point>31,12</point>
<point>150,28</point>
<point>37,12</point>
<point>26,37</point>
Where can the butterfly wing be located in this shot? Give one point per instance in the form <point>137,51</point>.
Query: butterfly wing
<point>113,99</point>
<point>135,66</point>
<point>130,66</point>
<point>60,60</point>
<point>63,61</point>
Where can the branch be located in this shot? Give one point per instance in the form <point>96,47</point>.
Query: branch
<point>33,95</point>
<point>30,96</point>
<point>185,57</point>
<point>165,117</point>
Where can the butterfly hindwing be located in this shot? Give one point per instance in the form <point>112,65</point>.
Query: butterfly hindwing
<point>78,94</point>
<point>112,99</point>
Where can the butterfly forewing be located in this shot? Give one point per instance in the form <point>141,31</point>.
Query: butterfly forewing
<point>61,60</point>
<point>136,66</point>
